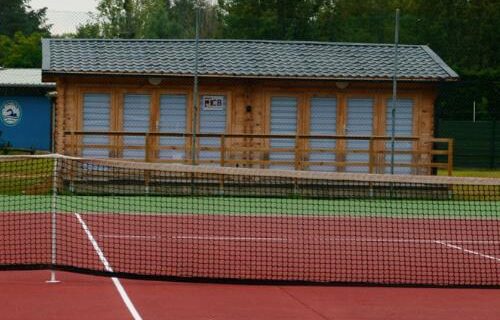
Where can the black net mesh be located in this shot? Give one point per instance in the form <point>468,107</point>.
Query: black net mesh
<point>183,222</point>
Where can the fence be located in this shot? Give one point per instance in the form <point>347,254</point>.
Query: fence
<point>256,150</point>
<point>476,144</point>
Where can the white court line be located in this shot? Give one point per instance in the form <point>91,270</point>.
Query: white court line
<point>123,294</point>
<point>275,239</point>
<point>487,256</point>
<point>229,238</point>
<point>129,237</point>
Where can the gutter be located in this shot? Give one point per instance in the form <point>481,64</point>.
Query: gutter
<point>49,74</point>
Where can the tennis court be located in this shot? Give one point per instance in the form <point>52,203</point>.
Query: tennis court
<point>164,222</point>
<point>25,295</point>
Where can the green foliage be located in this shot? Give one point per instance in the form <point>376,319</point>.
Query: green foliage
<point>17,16</point>
<point>151,19</point>
<point>177,19</point>
<point>21,30</point>
<point>89,30</point>
<point>21,51</point>
<point>115,19</point>
<point>271,19</point>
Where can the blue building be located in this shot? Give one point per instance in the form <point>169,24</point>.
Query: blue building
<point>25,110</point>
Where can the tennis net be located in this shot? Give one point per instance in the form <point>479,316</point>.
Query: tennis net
<point>201,223</point>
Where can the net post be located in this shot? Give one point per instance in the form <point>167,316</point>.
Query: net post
<point>53,222</point>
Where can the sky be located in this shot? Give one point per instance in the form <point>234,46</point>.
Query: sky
<point>65,5</point>
<point>65,15</point>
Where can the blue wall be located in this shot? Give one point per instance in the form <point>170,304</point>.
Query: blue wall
<point>33,129</point>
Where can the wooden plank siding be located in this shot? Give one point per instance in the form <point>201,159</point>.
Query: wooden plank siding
<point>248,112</point>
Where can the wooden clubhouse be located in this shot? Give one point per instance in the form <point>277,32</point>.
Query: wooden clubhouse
<point>262,104</point>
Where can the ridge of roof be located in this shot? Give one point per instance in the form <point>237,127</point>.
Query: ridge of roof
<point>325,43</point>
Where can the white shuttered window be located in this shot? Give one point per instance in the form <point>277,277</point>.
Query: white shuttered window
<point>96,117</point>
<point>173,119</point>
<point>403,128</point>
<point>323,121</point>
<point>135,119</point>
<point>283,121</point>
<point>359,123</point>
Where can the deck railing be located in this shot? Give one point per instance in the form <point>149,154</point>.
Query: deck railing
<point>416,154</point>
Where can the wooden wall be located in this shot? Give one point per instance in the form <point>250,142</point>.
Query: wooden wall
<point>241,94</point>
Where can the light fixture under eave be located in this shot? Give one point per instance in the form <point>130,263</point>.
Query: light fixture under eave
<point>154,81</point>
<point>342,84</point>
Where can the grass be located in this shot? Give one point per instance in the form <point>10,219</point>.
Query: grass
<point>467,172</point>
<point>26,176</point>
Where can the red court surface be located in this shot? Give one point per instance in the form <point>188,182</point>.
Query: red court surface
<point>25,295</point>
<point>316,249</point>
<point>362,249</point>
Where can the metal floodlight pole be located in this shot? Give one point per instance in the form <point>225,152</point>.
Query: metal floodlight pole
<point>195,86</point>
<point>474,111</point>
<point>394,91</point>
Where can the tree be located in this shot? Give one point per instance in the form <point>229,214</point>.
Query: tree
<point>271,19</point>
<point>150,19</point>
<point>17,16</point>
<point>89,30</point>
<point>21,51</point>
<point>117,18</point>
<point>176,19</point>
<point>21,30</point>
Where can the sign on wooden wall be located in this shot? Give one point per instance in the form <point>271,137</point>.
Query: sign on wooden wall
<point>213,103</point>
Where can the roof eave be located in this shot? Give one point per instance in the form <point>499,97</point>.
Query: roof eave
<point>15,85</point>
<point>50,75</point>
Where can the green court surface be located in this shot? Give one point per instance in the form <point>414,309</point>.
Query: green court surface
<point>26,185</point>
<point>254,206</point>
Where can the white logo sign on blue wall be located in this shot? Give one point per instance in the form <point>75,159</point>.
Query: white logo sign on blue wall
<point>11,113</point>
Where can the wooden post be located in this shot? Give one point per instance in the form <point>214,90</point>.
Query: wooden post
<point>147,152</point>
<point>370,155</point>
<point>60,118</point>
<point>222,150</point>
<point>450,157</point>
<point>297,153</point>
<point>73,142</point>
